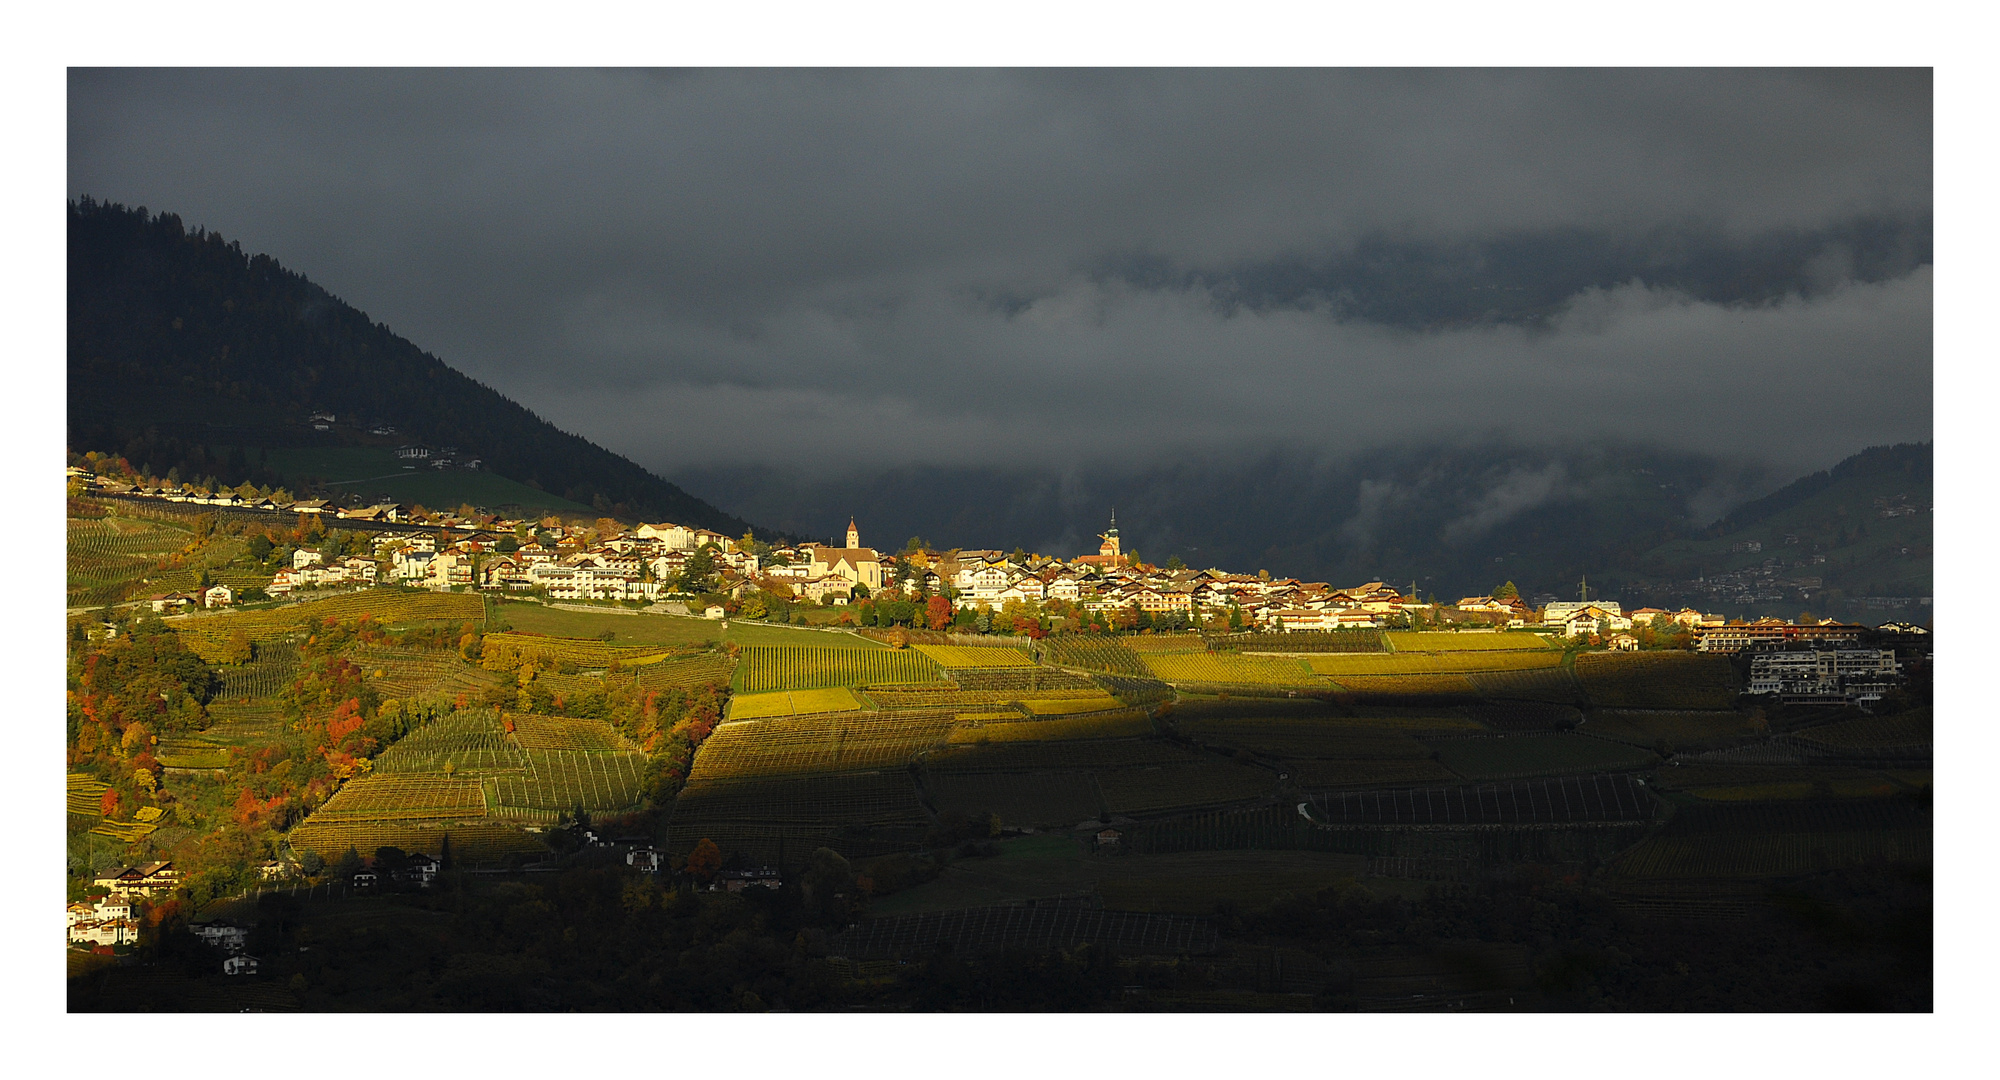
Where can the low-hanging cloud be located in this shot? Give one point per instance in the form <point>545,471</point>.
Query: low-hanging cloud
<point>851,269</point>
<point>1100,372</point>
<point>1517,492</point>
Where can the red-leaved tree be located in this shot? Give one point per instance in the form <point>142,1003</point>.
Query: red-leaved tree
<point>704,860</point>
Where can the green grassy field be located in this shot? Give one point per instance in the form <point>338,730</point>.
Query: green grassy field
<point>1455,641</point>
<point>371,471</point>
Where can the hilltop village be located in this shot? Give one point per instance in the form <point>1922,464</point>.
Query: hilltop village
<point>984,590</point>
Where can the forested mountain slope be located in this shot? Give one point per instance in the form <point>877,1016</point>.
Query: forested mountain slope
<point>181,343</point>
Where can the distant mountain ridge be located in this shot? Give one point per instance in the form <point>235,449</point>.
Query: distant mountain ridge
<point>1457,519</point>
<point>180,342</point>
<point>1909,459</point>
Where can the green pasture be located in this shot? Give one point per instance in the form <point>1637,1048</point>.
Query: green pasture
<point>374,470</point>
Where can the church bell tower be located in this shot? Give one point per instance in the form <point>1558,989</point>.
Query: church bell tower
<point>853,535</point>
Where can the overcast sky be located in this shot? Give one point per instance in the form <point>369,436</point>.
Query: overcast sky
<point>848,268</point>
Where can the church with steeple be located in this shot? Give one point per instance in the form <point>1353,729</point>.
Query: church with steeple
<point>860,565</point>
<point>1109,553</point>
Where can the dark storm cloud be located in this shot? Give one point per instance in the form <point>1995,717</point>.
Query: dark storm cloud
<point>854,267</point>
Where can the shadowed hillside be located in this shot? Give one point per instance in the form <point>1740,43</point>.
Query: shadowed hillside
<point>184,351</point>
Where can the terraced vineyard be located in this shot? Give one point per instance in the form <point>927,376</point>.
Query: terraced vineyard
<point>258,723</point>
<point>857,814</point>
<point>86,800</point>
<point>1681,730</point>
<point>1327,775</point>
<point>107,557</point>
<point>1226,669</point>
<point>1035,799</point>
<point>950,696</point>
<point>1045,927</point>
<point>1460,641</point>
<point>1407,685</point>
<point>1069,706</point>
<point>1906,732</point>
<point>793,703</point>
<point>1514,715</point>
<point>465,767</point>
<point>1536,755</point>
<point>815,744</point>
<point>1138,791</point>
<point>465,742</point>
<point>1542,684</point>
<point>567,733</point>
<point>1117,725</point>
<point>403,798</point>
<point>1150,644</point>
<point>1308,641</point>
<point>1317,738</point>
<point>786,667</point>
<point>1657,680</point>
<point>565,780</point>
<point>972,656</point>
<point>1568,801</point>
<point>1414,720</point>
<point>207,635</point>
<point>1338,665</point>
<point>1133,691</point>
<point>581,684</point>
<point>687,673</point>
<point>1047,756</point>
<point>1760,855</point>
<point>1094,654</point>
<point>508,650</point>
<point>410,673</point>
<point>473,841</point>
<point>191,753</point>
<point>1019,680</point>
<point>276,665</point>
<point>128,832</point>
